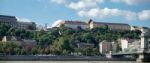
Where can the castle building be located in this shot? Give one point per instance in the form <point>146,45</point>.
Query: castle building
<point>112,26</point>
<point>12,21</point>
<point>92,24</point>
<point>27,25</point>
<point>8,20</point>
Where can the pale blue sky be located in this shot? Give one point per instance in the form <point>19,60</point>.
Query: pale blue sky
<point>133,12</point>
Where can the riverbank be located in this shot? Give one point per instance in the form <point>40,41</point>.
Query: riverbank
<point>70,62</point>
<point>61,58</point>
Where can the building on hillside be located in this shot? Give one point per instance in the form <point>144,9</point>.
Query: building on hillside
<point>129,45</point>
<point>134,46</point>
<point>27,25</point>
<point>115,47</point>
<point>19,41</point>
<point>12,20</point>
<point>105,47</point>
<point>124,44</point>
<point>10,38</point>
<point>112,26</point>
<point>73,24</point>
<point>92,24</point>
<point>8,20</point>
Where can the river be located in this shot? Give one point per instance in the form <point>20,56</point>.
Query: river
<point>70,62</point>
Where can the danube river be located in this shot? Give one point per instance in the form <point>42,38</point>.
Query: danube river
<point>70,62</point>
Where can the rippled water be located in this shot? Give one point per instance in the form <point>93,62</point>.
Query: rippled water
<point>69,62</point>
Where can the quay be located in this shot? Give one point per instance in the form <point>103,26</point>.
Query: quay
<point>60,58</point>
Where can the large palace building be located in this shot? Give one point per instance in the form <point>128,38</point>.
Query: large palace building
<point>12,20</point>
<point>112,26</point>
<point>92,24</point>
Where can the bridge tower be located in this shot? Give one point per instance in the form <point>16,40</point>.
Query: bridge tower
<point>144,46</point>
<point>144,40</point>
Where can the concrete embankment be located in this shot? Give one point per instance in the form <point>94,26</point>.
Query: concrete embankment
<point>62,58</point>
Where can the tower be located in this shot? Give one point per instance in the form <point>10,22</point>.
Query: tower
<point>144,39</point>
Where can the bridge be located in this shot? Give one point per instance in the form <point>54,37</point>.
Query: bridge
<point>143,54</point>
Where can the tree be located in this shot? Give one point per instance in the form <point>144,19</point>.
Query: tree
<point>62,40</point>
<point>4,29</point>
<point>34,51</point>
<point>47,50</point>
<point>23,52</point>
<point>17,51</point>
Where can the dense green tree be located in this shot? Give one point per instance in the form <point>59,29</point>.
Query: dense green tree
<point>9,48</point>
<point>61,41</point>
<point>4,29</point>
<point>23,52</point>
<point>34,51</point>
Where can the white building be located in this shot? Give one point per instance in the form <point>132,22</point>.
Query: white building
<point>129,45</point>
<point>124,44</point>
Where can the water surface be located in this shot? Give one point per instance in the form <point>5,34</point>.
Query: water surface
<point>70,62</point>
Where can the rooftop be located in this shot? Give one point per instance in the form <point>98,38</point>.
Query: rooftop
<point>110,23</point>
<point>106,23</point>
<point>5,16</point>
<point>76,22</point>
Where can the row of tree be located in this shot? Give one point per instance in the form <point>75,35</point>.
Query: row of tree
<point>62,40</point>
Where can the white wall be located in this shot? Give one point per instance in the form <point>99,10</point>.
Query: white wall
<point>124,44</point>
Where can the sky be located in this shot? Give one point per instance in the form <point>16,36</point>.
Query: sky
<point>132,12</point>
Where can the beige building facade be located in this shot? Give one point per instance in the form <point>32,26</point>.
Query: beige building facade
<point>113,26</point>
<point>92,24</point>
